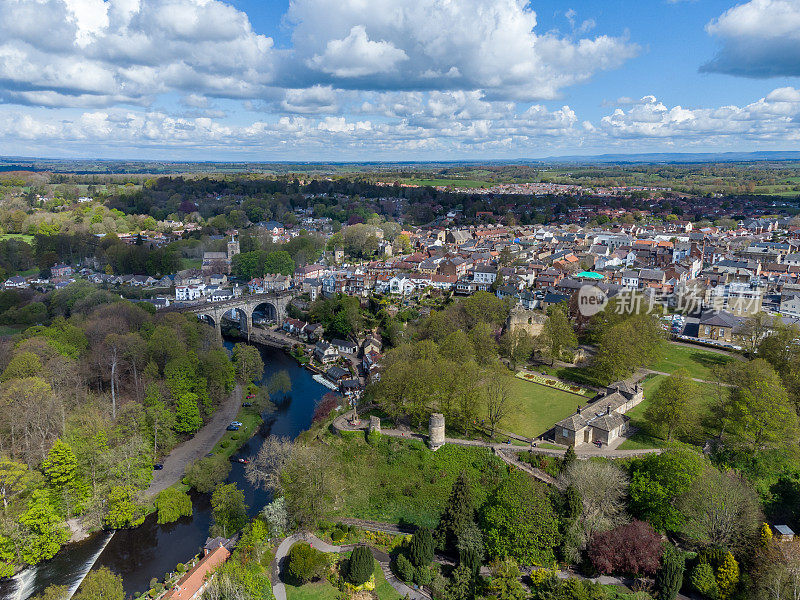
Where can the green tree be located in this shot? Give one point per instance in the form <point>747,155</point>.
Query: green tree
<point>279,262</point>
<point>558,334</point>
<point>123,511</point>
<point>305,563</point>
<point>53,592</point>
<point>421,547</point>
<point>505,582</point>
<point>635,342</point>
<point>727,577</point>
<point>518,521</point>
<point>13,480</point>
<point>569,458</point>
<point>470,547</point>
<point>461,586</point>
<point>669,577</point>
<point>172,504</point>
<point>21,366</point>
<point>229,509</point>
<point>187,414</point>
<point>670,406</point>
<point>44,529</point>
<point>101,584</point>
<point>360,566</point>
<point>205,474</point>
<point>658,481</point>
<point>458,513</point>
<point>703,580</point>
<point>248,363</point>
<point>60,466</point>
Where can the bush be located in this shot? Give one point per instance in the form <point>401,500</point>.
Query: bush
<point>172,504</point>
<point>703,581</point>
<point>405,570</point>
<point>632,549</point>
<point>305,564</point>
<point>669,577</point>
<point>423,575</point>
<point>337,535</point>
<point>205,474</point>
<point>360,566</point>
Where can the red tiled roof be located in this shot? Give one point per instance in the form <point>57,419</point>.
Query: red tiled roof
<point>193,581</point>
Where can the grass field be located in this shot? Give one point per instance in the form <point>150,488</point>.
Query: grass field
<point>537,407</point>
<point>398,481</point>
<point>323,590</point>
<point>191,263</point>
<point>8,330</point>
<point>697,361</point>
<point>700,405</point>
<point>16,236</point>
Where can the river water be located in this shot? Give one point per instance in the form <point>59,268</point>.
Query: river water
<point>151,550</point>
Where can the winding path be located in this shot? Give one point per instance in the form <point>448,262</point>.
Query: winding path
<point>279,588</point>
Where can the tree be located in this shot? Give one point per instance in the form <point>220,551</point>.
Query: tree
<point>13,480</point>
<point>22,365</point>
<point>498,400</point>
<point>53,592</point>
<point>721,509</point>
<point>458,513</point>
<point>405,570</point>
<point>44,529</point>
<point>703,580</point>
<point>461,586</point>
<point>569,458</point>
<point>229,509</point>
<point>276,517</point>
<point>727,577</point>
<point>760,414</point>
<point>248,363</point>
<point>658,481</point>
<point>421,547</point>
<point>669,577</point>
<point>172,504</point>
<point>470,547</point>
<point>632,549</point>
<point>671,405</point>
<point>627,345</point>
<point>505,582</point>
<point>518,521</point>
<point>360,566</point>
<point>558,333</point>
<point>204,474</point>
<point>123,511</point>
<point>754,329</point>
<point>517,345</point>
<point>279,262</point>
<point>279,383</point>
<point>101,584</point>
<point>60,467</point>
<point>187,414</point>
<point>305,563</point>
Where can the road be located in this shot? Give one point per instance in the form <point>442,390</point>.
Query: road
<point>198,446</point>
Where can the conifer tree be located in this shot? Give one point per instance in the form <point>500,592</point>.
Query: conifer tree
<point>458,513</point>
<point>669,577</point>
<point>727,577</point>
<point>360,567</point>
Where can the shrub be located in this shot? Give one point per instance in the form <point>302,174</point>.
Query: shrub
<point>421,548</point>
<point>337,535</point>
<point>305,564</point>
<point>360,566</point>
<point>632,549</point>
<point>703,581</point>
<point>423,575</point>
<point>669,577</point>
<point>405,570</point>
<point>172,504</point>
<point>727,577</point>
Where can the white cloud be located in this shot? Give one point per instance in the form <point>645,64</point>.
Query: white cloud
<point>760,38</point>
<point>358,56</point>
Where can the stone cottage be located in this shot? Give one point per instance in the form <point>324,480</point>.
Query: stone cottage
<point>603,420</point>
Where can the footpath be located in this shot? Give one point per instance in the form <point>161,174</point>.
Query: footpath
<point>279,588</point>
<point>197,447</point>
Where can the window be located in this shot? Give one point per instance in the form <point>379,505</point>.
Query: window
<point>564,432</point>
<point>708,330</point>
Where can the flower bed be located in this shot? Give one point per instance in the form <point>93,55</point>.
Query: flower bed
<point>552,383</point>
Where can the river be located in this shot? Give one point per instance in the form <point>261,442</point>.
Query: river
<point>151,550</point>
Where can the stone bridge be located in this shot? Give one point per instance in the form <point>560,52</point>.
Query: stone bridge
<point>272,304</point>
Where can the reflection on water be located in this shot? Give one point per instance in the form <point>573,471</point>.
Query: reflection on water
<point>151,550</point>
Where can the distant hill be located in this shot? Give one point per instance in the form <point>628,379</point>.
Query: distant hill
<point>678,157</point>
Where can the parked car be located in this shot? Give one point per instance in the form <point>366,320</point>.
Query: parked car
<point>237,423</point>
<point>158,467</point>
<point>232,428</point>
<point>247,404</point>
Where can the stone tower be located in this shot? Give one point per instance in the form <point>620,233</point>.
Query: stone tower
<point>233,247</point>
<point>436,431</point>
<point>374,424</point>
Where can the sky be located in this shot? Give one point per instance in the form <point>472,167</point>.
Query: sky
<point>366,80</point>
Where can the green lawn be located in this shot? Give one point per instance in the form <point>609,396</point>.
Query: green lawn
<point>191,263</point>
<point>697,361</point>
<point>537,407</point>
<point>398,480</point>
<point>16,236</point>
<point>700,405</point>
<point>8,330</point>
<point>323,590</point>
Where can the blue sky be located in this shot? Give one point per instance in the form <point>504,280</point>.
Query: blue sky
<point>395,80</point>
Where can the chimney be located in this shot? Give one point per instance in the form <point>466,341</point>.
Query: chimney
<point>608,409</point>
<point>579,409</point>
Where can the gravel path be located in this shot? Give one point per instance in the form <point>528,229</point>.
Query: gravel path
<point>279,589</point>
<point>197,447</point>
